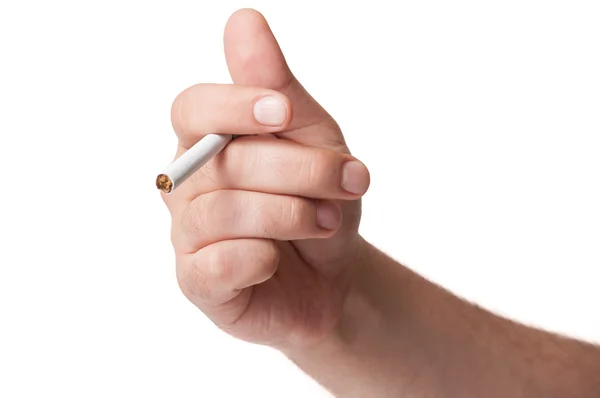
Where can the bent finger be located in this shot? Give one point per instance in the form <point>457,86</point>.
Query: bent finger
<point>228,109</point>
<point>234,214</point>
<point>263,164</point>
<point>219,272</point>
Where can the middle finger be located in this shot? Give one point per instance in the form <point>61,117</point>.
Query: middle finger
<point>234,214</point>
<point>279,166</point>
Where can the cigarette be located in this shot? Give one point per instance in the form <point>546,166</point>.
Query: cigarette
<point>191,160</point>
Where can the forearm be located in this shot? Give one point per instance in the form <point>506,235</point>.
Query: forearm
<point>401,335</point>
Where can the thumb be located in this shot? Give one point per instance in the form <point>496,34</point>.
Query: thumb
<point>254,58</point>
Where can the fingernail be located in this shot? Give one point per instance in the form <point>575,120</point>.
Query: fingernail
<point>355,177</point>
<point>328,216</point>
<point>269,111</point>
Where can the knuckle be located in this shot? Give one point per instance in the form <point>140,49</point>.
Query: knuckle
<point>270,215</point>
<point>310,169</point>
<point>194,220</point>
<point>269,229</point>
<point>201,174</point>
<point>279,167</point>
<point>288,211</point>
<point>266,220</point>
<point>268,260</point>
<point>248,152</point>
<point>263,153</point>
<point>293,211</point>
<point>239,161</point>
<point>192,282</point>
<point>211,214</point>
<point>203,271</point>
<point>204,175</point>
<point>218,268</point>
<point>182,111</point>
<point>281,216</point>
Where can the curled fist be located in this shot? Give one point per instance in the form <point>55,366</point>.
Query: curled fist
<point>266,234</point>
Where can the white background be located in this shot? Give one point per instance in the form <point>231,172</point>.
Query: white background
<point>478,120</point>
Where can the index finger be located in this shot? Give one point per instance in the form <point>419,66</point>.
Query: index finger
<point>228,109</point>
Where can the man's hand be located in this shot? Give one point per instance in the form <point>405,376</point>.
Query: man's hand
<point>265,234</point>
<point>267,246</point>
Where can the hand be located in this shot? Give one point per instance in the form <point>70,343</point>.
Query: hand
<point>266,234</point>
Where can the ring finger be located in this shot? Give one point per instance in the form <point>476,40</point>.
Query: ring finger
<point>234,214</point>
<point>264,164</point>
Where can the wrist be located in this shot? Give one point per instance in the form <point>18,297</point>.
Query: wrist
<point>360,307</point>
<point>365,312</point>
<point>364,345</point>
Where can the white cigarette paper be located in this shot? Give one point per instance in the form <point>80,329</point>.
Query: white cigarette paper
<point>190,161</point>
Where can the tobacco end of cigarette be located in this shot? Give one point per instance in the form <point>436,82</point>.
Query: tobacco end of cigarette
<point>164,183</point>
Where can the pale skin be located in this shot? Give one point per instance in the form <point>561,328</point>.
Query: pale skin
<point>267,246</point>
